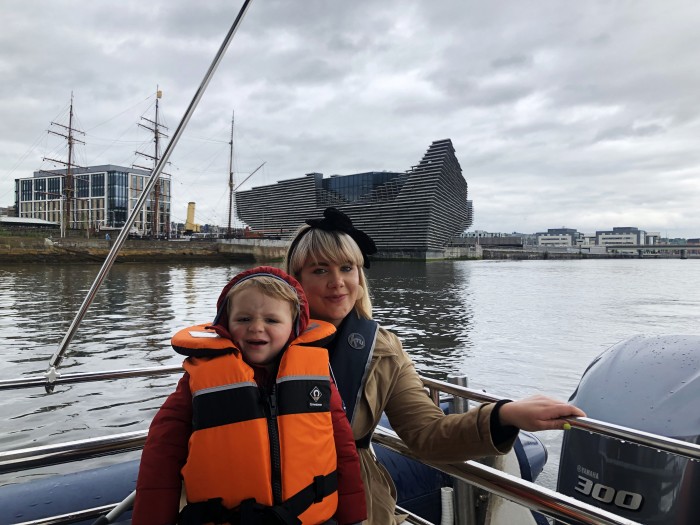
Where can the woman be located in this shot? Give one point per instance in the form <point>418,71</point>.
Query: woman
<point>375,375</point>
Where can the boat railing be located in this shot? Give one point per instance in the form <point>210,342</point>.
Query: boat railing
<point>475,474</point>
<point>72,517</point>
<point>517,490</point>
<point>630,435</point>
<point>435,387</point>
<point>85,377</point>
<point>523,492</point>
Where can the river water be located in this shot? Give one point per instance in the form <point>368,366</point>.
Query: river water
<point>515,328</point>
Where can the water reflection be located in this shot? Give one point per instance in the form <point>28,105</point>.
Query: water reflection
<point>427,306</point>
<point>514,327</point>
<point>130,322</point>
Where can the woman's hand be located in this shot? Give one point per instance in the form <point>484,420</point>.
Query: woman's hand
<point>538,413</point>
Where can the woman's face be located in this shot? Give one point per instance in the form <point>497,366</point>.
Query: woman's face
<point>331,289</point>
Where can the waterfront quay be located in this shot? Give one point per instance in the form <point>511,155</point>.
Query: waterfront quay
<point>16,249</point>
<point>21,249</point>
<point>631,251</point>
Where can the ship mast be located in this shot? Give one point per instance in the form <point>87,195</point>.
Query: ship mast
<point>157,134</point>
<point>230,182</point>
<point>69,212</point>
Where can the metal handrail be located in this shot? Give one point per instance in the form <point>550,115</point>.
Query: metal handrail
<point>72,517</point>
<point>81,515</point>
<point>637,437</point>
<point>85,377</point>
<point>510,487</point>
<point>492,480</point>
<point>33,457</point>
<point>515,489</point>
<point>412,518</point>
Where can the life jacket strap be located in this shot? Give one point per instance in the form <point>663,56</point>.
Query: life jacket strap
<point>316,491</point>
<point>249,512</point>
<point>210,511</point>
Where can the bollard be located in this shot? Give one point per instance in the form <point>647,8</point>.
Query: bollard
<point>464,506</point>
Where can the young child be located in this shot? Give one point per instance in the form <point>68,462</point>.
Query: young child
<point>268,438</point>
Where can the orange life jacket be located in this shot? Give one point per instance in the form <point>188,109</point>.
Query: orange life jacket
<point>274,447</point>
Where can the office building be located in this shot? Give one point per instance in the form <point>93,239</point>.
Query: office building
<point>102,197</point>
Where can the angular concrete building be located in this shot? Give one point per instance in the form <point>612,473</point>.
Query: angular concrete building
<point>410,214</point>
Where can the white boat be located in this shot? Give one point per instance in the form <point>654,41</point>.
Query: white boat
<point>608,473</point>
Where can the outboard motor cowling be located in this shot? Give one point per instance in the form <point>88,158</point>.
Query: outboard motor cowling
<point>650,384</point>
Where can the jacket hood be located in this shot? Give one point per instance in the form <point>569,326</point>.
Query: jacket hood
<point>220,324</point>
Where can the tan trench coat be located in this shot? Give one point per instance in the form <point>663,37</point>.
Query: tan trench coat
<point>393,386</point>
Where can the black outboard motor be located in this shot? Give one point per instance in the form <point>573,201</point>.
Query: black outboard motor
<point>650,384</point>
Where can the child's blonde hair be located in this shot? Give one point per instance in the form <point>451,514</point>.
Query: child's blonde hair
<point>270,286</point>
<point>315,244</point>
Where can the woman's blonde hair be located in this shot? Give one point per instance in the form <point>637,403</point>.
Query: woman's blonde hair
<point>270,286</point>
<point>315,244</point>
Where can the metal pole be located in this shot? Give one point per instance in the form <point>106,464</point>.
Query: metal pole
<point>464,504</point>
<point>639,437</point>
<point>230,180</point>
<point>117,511</point>
<point>72,517</point>
<point>27,458</point>
<point>85,377</point>
<point>51,373</point>
<point>515,489</point>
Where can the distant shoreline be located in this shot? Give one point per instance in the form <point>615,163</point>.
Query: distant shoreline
<point>39,250</point>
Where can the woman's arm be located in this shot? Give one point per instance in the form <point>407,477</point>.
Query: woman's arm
<point>457,437</point>
<point>393,386</point>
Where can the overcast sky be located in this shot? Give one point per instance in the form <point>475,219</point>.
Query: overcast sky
<point>575,114</point>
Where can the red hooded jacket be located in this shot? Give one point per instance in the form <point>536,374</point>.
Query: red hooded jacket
<point>159,483</point>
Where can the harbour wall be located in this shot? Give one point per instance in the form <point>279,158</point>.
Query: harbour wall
<point>18,249</point>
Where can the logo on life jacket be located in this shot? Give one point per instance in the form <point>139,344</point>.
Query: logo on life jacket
<point>315,394</point>
<point>356,341</point>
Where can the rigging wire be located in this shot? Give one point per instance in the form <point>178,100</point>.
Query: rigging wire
<point>57,357</point>
<point>129,127</point>
<point>141,101</point>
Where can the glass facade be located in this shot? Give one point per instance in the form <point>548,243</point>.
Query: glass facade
<point>103,197</point>
<point>117,200</point>
<point>353,188</point>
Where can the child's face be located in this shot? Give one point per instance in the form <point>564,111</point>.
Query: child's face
<point>260,325</point>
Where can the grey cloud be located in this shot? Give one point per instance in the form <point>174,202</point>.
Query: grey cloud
<point>511,61</point>
<point>558,114</point>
